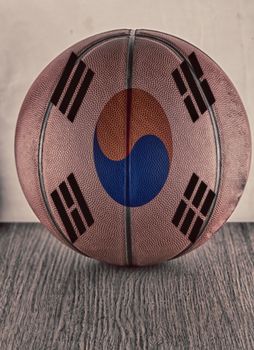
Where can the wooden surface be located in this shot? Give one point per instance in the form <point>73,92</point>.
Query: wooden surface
<point>53,298</point>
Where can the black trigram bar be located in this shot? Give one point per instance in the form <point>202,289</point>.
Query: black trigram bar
<point>195,90</point>
<point>195,64</point>
<point>207,202</point>
<point>66,194</point>
<point>198,193</point>
<point>80,198</point>
<point>179,82</point>
<point>179,213</point>
<point>78,221</point>
<point>191,108</point>
<point>63,79</point>
<point>74,214</point>
<point>196,229</point>
<point>66,100</point>
<point>191,186</point>
<point>187,221</point>
<point>81,94</point>
<point>64,216</point>
<point>72,87</point>
<point>193,86</point>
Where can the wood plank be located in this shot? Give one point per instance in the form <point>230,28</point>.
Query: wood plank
<point>53,298</point>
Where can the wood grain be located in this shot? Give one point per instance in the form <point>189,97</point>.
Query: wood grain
<point>53,298</point>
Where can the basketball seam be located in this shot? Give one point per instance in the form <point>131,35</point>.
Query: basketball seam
<point>41,143</point>
<point>169,44</point>
<point>127,180</point>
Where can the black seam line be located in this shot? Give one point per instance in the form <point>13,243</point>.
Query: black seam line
<point>41,142</point>
<point>212,115</point>
<point>129,72</point>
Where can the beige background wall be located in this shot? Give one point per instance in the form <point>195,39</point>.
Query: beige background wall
<point>33,32</point>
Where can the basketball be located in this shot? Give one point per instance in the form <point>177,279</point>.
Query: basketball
<point>132,147</point>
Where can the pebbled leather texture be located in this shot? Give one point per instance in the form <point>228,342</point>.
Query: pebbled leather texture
<point>216,147</point>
